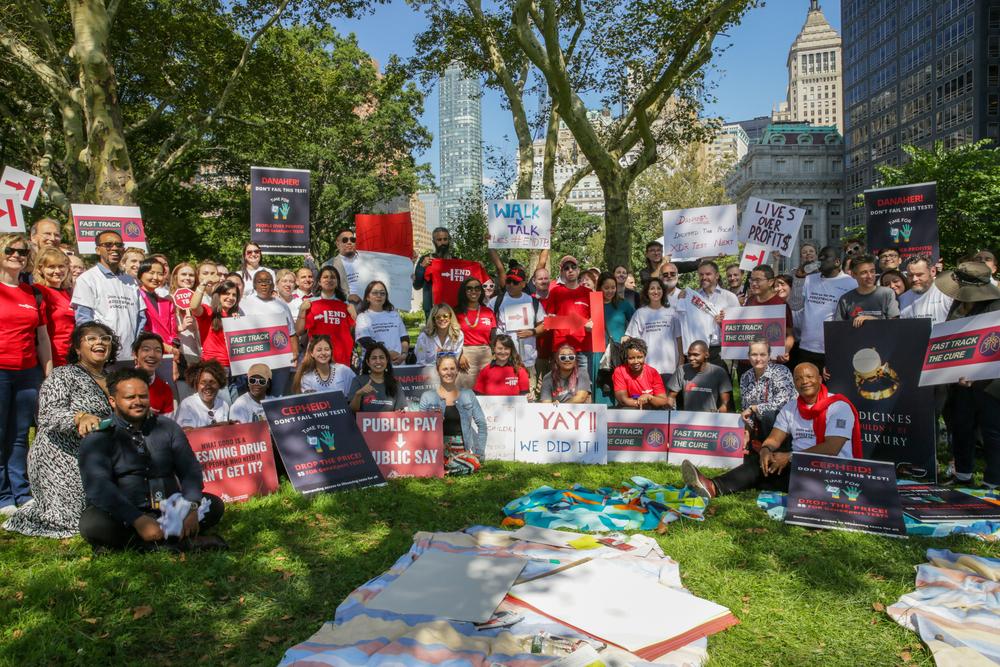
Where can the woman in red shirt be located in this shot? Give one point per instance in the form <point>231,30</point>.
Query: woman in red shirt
<point>505,375</point>
<point>52,279</point>
<point>329,313</point>
<point>637,385</point>
<point>478,325</point>
<point>225,303</point>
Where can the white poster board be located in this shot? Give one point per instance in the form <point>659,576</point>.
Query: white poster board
<point>771,225</point>
<point>11,216</point>
<point>753,256</point>
<point>26,185</point>
<point>501,424</point>
<point>748,323</point>
<point>638,435</point>
<point>519,223</point>
<point>968,348</point>
<point>712,439</point>
<point>257,339</point>
<point>393,270</point>
<point>91,220</point>
<point>692,233</point>
<point>562,433</point>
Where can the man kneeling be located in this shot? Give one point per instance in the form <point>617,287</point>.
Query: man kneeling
<point>131,466</point>
<point>816,421</point>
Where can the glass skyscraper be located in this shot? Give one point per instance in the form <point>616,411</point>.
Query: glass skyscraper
<point>461,136</point>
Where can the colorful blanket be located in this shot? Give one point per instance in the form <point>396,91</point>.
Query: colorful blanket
<point>774,504</point>
<point>360,635</point>
<point>638,504</point>
<point>955,609</point>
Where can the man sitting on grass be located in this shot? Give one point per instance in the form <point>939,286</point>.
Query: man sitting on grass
<point>132,466</point>
<point>816,421</point>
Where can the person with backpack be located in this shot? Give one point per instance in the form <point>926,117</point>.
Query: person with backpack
<point>520,316</point>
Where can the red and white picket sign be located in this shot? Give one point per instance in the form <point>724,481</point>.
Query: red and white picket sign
<point>26,185</point>
<point>182,298</point>
<point>753,256</point>
<point>11,217</point>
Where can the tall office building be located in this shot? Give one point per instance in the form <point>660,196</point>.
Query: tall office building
<point>916,72</point>
<point>461,136</point>
<point>815,92</point>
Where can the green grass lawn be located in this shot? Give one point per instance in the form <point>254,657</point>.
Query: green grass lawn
<point>803,597</point>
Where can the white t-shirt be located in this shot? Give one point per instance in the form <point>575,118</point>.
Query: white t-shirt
<point>245,410</point>
<point>248,274</point>
<point>386,327</point>
<point>933,303</point>
<point>428,347</point>
<point>293,305</point>
<point>339,380</point>
<point>115,300</point>
<point>353,277</point>
<point>193,412</point>
<point>839,423</point>
<point>514,315</point>
<point>660,328</point>
<point>820,296</point>
<point>696,324</point>
<point>254,305</point>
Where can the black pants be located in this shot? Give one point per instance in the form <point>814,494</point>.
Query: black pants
<point>101,529</point>
<point>749,476</point>
<point>971,407</point>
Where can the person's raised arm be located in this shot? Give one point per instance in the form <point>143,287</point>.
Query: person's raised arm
<point>195,306</point>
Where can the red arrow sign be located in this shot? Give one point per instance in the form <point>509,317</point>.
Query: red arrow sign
<point>10,215</point>
<point>27,185</point>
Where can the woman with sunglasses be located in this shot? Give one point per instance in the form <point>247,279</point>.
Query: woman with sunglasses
<point>440,336</point>
<point>247,408</point>
<point>329,314</point>
<point>478,324</point>
<point>206,406</point>
<point>72,402</point>
<point>52,279</point>
<point>318,370</point>
<point>464,421</point>
<point>251,263</point>
<point>25,358</point>
<point>565,384</point>
<point>376,389</point>
<point>379,322</point>
<point>505,375</point>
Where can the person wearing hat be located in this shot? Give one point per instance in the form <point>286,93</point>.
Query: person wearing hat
<point>566,299</point>
<point>247,408</point>
<point>990,260</point>
<point>520,316</point>
<point>973,404</point>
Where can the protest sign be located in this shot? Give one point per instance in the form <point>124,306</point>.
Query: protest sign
<point>320,444</point>
<point>279,210</point>
<point>446,276</point>
<point>877,367</point>
<point>844,494</point>
<point>753,256</point>
<point>389,233</point>
<point>937,504</point>
<point>771,225</point>
<point>638,435</point>
<point>405,444</point>
<point>744,324</point>
<point>253,339</point>
<point>968,348</point>
<point>903,217</point>
<point>237,462</point>
<point>562,433</point>
<point>26,185</point>
<point>11,215</point>
<point>693,233</point>
<point>90,220</point>
<point>393,270</point>
<point>501,424</point>
<point>182,297</point>
<point>519,223</point>
<point>414,380</point>
<point>712,439</point>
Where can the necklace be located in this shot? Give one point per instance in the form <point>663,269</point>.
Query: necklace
<point>324,382</point>
<point>473,325</point>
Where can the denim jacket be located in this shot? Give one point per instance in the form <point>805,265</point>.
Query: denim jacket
<point>468,409</point>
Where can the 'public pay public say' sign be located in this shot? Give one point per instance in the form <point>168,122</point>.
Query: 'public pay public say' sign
<point>405,444</point>
<point>520,223</point>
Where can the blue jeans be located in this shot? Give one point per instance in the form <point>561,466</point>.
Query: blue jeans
<point>18,405</point>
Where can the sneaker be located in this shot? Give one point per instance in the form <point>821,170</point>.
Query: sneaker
<point>697,482</point>
<point>29,503</point>
<point>8,510</point>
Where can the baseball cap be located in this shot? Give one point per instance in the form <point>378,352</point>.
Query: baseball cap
<point>261,370</point>
<point>566,259</point>
<point>516,275</point>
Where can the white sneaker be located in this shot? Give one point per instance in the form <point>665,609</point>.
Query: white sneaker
<point>8,510</point>
<point>31,501</point>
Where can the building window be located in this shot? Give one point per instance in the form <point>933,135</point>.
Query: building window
<point>807,232</point>
<point>835,210</point>
<point>993,105</point>
<point>835,234</point>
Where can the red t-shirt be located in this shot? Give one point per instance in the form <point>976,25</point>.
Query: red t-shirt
<point>213,343</point>
<point>447,275</point>
<point>21,315</point>
<point>495,380</point>
<point>477,325</point>
<point>773,301</point>
<point>60,321</point>
<point>161,399</point>
<point>648,382</point>
<point>564,301</point>
<point>331,317</point>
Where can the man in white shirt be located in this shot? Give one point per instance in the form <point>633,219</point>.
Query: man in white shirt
<point>820,293</point>
<point>520,316</point>
<point>344,263</point>
<point>108,295</point>
<point>670,276</point>
<point>923,299</point>
<point>703,309</point>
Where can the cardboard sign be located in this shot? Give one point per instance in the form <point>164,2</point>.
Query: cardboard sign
<point>11,215</point>
<point>182,298</point>
<point>710,439</point>
<point>253,339</point>
<point>520,223</point>
<point>968,347</point>
<point>877,367</point>
<point>939,504</point>
<point>771,225</point>
<point>90,220</point>
<point>638,435</point>
<point>501,425</point>
<point>279,210</point>
<point>414,380</point>
<point>28,186</point>
<point>446,276</point>
<point>320,444</point>
<point>237,462</point>
<point>693,233</point>
<point>407,444</point>
<point>753,256</point>
<point>748,323</point>
<point>562,433</point>
<point>844,494</point>
<point>903,217</point>
<point>393,270</point>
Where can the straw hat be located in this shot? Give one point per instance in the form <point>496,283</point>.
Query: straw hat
<point>968,283</point>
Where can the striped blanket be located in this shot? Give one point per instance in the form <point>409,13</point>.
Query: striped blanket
<point>955,609</point>
<point>638,504</point>
<point>360,635</point>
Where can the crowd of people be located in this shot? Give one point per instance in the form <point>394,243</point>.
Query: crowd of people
<point>111,370</point>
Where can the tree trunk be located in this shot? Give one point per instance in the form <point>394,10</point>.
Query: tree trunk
<point>617,230</point>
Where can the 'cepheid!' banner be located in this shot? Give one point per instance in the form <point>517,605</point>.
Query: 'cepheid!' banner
<point>279,210</point>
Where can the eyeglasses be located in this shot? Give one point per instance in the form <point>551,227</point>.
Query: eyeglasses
<point>569,267</point>
<point>348,239</point>
<point>108,245</point>
<point>672,274</point>
<point>473,288</point>
<point>445,353</point>
<point>23,252</point>
<point>90,339</point>
<point>252,252</point>
<point>377,292</point>
<point>443,317</point>
<point>257,380</point>
<point>567,357</point>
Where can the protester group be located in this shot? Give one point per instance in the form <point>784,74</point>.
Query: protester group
<point>113,362</point>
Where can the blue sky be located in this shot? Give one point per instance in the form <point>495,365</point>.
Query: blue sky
<point>751,76</point>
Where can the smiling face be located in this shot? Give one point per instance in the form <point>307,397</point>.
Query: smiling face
<point>377,361</point>
<point>734,277</point>
<point>149,355</point>
<point>895,283</point>
<point>377,296</point>
<point>865,275</point>
<point>15,257</point>
<point>760,284</point>
<point>566,359</point>
<point>621,274</point>
<point>921,276</point>
<point>759,355</point>
<point>76,266</point>
<point>807,381</point>
<point>263,284</point>
<point>208,388</point>
<point>829,262</point>
<point>609,288</point>
<point>542,280</point>
<point>635,360</point>
<point>46,235</point>
<point>153,277</point>
<point>501,353</point>
<point>328,281</point>
<point>447,368</point>
<point>322,353</point>
<point>54,272</point>
<point>286,285</point>
<point>697,354</point>
<point>131,400</point>
<point>782,289</point>
<point>251,253</point>
<point>228,299</point>
<point>186,277</point>
<point>708,277</point>
<point>130,263</point>
<point>110,249</point>
<point>304,280</point>
<point>889,259</point>
<point>655,294</point>
<point>807,254</point>
<point>442,321</point>
<point>95,346</point>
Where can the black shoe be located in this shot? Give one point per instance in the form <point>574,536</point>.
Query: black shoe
<point>953,482</point>
<point>697,482</point>
<point>204,543</point>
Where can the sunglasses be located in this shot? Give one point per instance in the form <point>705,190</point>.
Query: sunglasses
<point>23,252</point>
<point>108,245</point>
<point>377,292</point>
<point>569,267</point>
<point>444,353</point>
<point>257,380</point>
<point>252,252</point>
<point>349,239</point>
<point>473,288</point>
<point>567,357</point>
<point>443,317</point>
<point>211,415</point>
